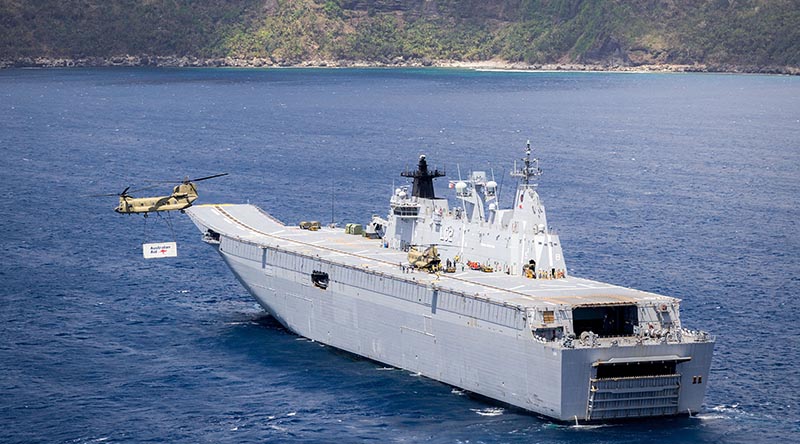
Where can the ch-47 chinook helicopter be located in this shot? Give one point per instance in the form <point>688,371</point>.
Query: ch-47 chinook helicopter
<point>425,259</point>
<point>182,197</point>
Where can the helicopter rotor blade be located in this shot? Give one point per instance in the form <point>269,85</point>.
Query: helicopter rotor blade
<point>103,195</point>
<point>208,177</point>
<point>140,189</point>
<point>186,179</point>
<point>123,193</point>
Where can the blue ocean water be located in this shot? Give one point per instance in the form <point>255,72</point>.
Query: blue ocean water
<point>684,184</point>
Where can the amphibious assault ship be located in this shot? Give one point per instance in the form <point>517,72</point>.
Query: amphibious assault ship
<point>471,295</point>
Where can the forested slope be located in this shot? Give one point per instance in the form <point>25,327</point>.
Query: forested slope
<point>740,33</point>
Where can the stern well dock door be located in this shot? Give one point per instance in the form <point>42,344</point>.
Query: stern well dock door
<point>635,387</point>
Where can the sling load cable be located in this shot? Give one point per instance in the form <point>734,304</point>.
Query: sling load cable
<point>144,240</point>
<point>160,249</point>
<point>168,219</point>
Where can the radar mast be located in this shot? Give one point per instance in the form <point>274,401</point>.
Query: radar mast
<point>530,171</point>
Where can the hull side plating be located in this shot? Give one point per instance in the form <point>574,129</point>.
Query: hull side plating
<point>410,327</point>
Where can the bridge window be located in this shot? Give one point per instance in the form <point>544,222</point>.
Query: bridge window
<point>406,211</point>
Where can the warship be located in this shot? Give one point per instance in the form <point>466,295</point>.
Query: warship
<point>473,295</point>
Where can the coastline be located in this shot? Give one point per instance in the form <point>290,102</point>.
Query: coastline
<point>398,62</point>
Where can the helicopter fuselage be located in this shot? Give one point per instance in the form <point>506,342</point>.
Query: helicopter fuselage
<point>149,204</point>
<point>182,197</point>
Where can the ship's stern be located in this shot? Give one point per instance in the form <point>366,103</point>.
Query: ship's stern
<point>608,381</point>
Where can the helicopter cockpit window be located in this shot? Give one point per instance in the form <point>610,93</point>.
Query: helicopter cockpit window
<point>320,279</point>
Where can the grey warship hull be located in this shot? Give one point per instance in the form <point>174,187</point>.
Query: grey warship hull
<point>496,334</point>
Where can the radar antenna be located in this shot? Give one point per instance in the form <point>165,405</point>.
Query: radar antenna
<point>531,169</point>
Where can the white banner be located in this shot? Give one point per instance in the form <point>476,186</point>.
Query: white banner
<point>163,249</point>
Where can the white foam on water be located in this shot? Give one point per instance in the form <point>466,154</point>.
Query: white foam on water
<point>707,416</point>
<point>726,408</point>
<point>588,426</point>
<point>489,411</point>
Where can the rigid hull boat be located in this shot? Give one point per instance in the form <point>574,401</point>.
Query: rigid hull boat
<point>496,313</point>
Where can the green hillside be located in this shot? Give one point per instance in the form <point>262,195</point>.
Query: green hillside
<point>749,34</point>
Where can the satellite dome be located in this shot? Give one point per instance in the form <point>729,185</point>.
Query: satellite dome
<point>491,184</point>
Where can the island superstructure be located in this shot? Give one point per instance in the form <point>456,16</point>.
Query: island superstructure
<point>498,314</point>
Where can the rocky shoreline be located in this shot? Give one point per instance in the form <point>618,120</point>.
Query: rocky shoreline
<point>256,62</point>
